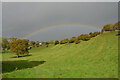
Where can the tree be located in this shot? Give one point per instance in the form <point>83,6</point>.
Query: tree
<point>30,47</point>
<point>66,40</point>
<point>27,40</point>
<point>62,42</point>
<point>47,43</point>
<point>56,42</point>
<point>51,42</point>
<point>119,33</point>
<point>32,43</point>
<point>19,47</point>
<point>37,44</point>
<point>81,37</point>
<point>84,37</point>
<point>116,26</point>
<point>90,33</point>
<point>94,34</point>
<point>102,31</point>
<point>72,40</point>
<point>11,39</point>
<point>43,43</point>
<point>74,37</point>
<point>107,27</point>
<point>5,44</point>
<point>77,41</point>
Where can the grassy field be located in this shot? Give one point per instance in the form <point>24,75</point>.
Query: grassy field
<point>96,58</point>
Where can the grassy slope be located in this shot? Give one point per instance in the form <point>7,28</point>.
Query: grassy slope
<point>96,58</point>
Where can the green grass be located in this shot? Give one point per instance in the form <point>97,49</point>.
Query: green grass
<point>96,58</point>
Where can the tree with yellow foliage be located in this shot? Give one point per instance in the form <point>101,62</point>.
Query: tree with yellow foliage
<point>19,47</point>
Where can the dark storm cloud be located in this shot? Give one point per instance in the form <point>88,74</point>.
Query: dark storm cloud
<point>20,18</point>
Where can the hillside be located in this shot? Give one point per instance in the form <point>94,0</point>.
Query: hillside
<point>96,58</point>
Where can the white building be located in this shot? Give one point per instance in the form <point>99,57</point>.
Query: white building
<point>40,43</point>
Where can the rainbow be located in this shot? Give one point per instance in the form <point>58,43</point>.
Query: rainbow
<point>53,26</point>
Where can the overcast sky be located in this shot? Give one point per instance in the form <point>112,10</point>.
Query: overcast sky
<point>20,19</point>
